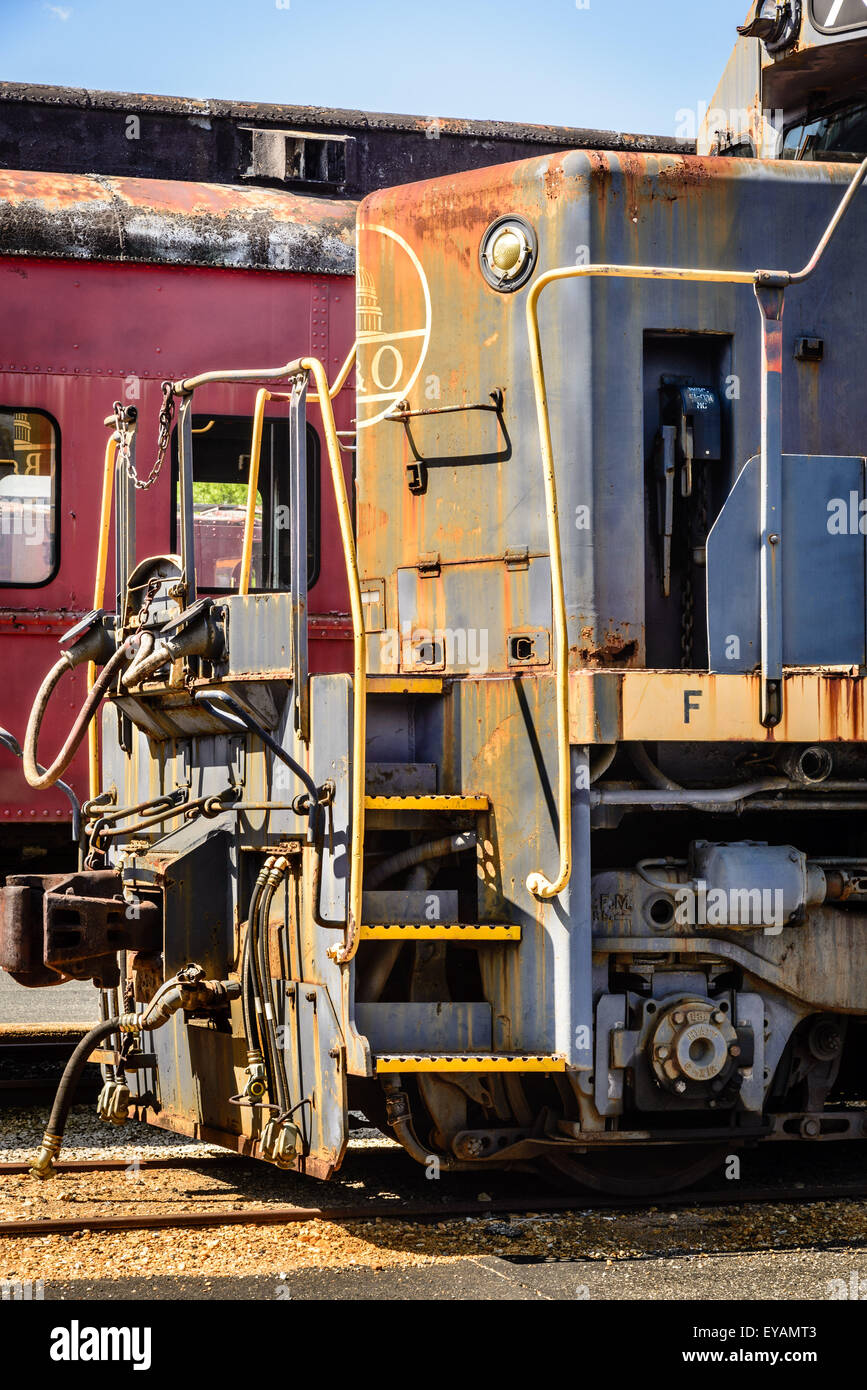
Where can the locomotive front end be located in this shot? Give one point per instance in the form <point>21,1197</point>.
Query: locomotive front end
<point>568,869</point>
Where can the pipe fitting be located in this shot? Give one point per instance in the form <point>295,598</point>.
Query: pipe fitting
<point>43,1164</point>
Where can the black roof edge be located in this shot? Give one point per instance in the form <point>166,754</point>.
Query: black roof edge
<point>139,103</point>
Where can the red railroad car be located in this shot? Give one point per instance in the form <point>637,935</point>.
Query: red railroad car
<point>110,286</point>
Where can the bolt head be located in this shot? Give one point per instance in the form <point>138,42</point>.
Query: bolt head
<point>680,1087</point>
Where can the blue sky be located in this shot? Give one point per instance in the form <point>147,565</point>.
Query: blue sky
<point>615,64</point>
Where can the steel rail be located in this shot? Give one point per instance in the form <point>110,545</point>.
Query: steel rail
<point>124,1165</point>
<point>761,280</point>
<point>416,1211</point>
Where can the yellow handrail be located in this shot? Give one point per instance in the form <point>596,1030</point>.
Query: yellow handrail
<point>252,487</point>
<point>538,883</point>
<point>323,397</point>
<point>339,381</point>
<point>345,952</point>
<point>99,598</point>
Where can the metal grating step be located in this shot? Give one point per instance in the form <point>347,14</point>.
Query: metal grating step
<point>479,1062</point>
<point>426,803</point>
<point>459,933</point>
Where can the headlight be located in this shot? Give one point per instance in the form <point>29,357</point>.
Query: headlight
<point>507,254</point>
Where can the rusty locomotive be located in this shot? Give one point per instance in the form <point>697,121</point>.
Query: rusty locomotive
<point>247,207</point>
<point>567,871</point>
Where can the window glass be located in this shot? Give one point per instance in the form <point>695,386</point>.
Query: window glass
<point>28,487</point>
<point>221,470</point>
<point>838,136</point>
<point>219,512</point>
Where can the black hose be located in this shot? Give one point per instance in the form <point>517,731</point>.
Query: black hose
<point>72,1073</point>
<point>418,854</point>
<point>267,994</point>
<point>248,993</point>
<point>643,763</point>
<point>235,715</point>
<point>40,780</point>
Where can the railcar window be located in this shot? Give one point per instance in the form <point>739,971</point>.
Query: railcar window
<point>29,484</point>
<point>221,471</point>
<point>839,136</point>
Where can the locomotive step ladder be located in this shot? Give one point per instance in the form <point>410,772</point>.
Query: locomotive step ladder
<point>414,811</point>
<point>389,1063</point>
<point>405,810</point>
<point>456,933</point>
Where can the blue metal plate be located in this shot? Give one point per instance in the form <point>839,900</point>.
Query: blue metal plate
<point>823,566</point>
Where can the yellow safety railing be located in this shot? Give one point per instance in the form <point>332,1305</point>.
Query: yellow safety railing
<point>323,396</point>
<point>99,599</point>
<point>538,883</point>
<point>252,489</point>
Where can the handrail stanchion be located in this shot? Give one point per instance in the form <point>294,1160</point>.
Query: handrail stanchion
<point>771,711</point>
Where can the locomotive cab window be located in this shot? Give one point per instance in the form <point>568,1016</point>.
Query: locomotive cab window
<point>29,480</point>
<point>839,136</point>
<point>221,472</point>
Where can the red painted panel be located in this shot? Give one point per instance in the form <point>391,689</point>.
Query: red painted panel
<point>81,336</point>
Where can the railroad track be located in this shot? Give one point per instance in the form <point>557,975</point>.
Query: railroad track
<point>24,1046</point>
<point>421,1212</point>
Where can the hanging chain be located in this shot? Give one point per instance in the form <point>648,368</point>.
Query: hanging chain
<point>167,412</point>
<point>686,621</point>
<point>687,615</point>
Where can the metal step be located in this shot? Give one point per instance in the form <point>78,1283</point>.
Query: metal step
<point>400,779</point>
<point>459,933</point>
<point>427,803</point>
<point>402,906</point>
<point>490,1062</point>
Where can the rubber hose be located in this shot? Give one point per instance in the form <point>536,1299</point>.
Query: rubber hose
<point>248,984</point>
<point>264,972</point>
<point>376,977</point>
<point>418,854</point>
<point>601,759</point>
<point>72,1074</point>
<point>40,780</point>
<point>248,991</point>
<point>643,763</point>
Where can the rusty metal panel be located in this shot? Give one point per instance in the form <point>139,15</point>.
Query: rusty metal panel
<point>445,621</point>
<point>435,335</point>
<point>412,1027</point>
<point>79,216</point>
<point>608,706</point>
<point>315,1064</point>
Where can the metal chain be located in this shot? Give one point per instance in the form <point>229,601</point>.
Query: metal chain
<point>686,621</point>
<point>167,412</point>
<point>687,616</point>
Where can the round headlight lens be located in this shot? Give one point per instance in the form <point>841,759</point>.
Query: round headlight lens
<point>507,253</point>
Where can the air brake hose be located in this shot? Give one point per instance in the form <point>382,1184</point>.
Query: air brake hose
<point>251,1003</point>
<point>43,1166</point>
<point>262,962</point>
<point>186,990</point>
<point>42,779</point>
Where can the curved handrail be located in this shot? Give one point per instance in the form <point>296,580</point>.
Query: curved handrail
<point>537,882</point>
<point>323,396</point>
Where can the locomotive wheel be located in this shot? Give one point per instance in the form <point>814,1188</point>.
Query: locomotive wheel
<point>641,1172</point>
